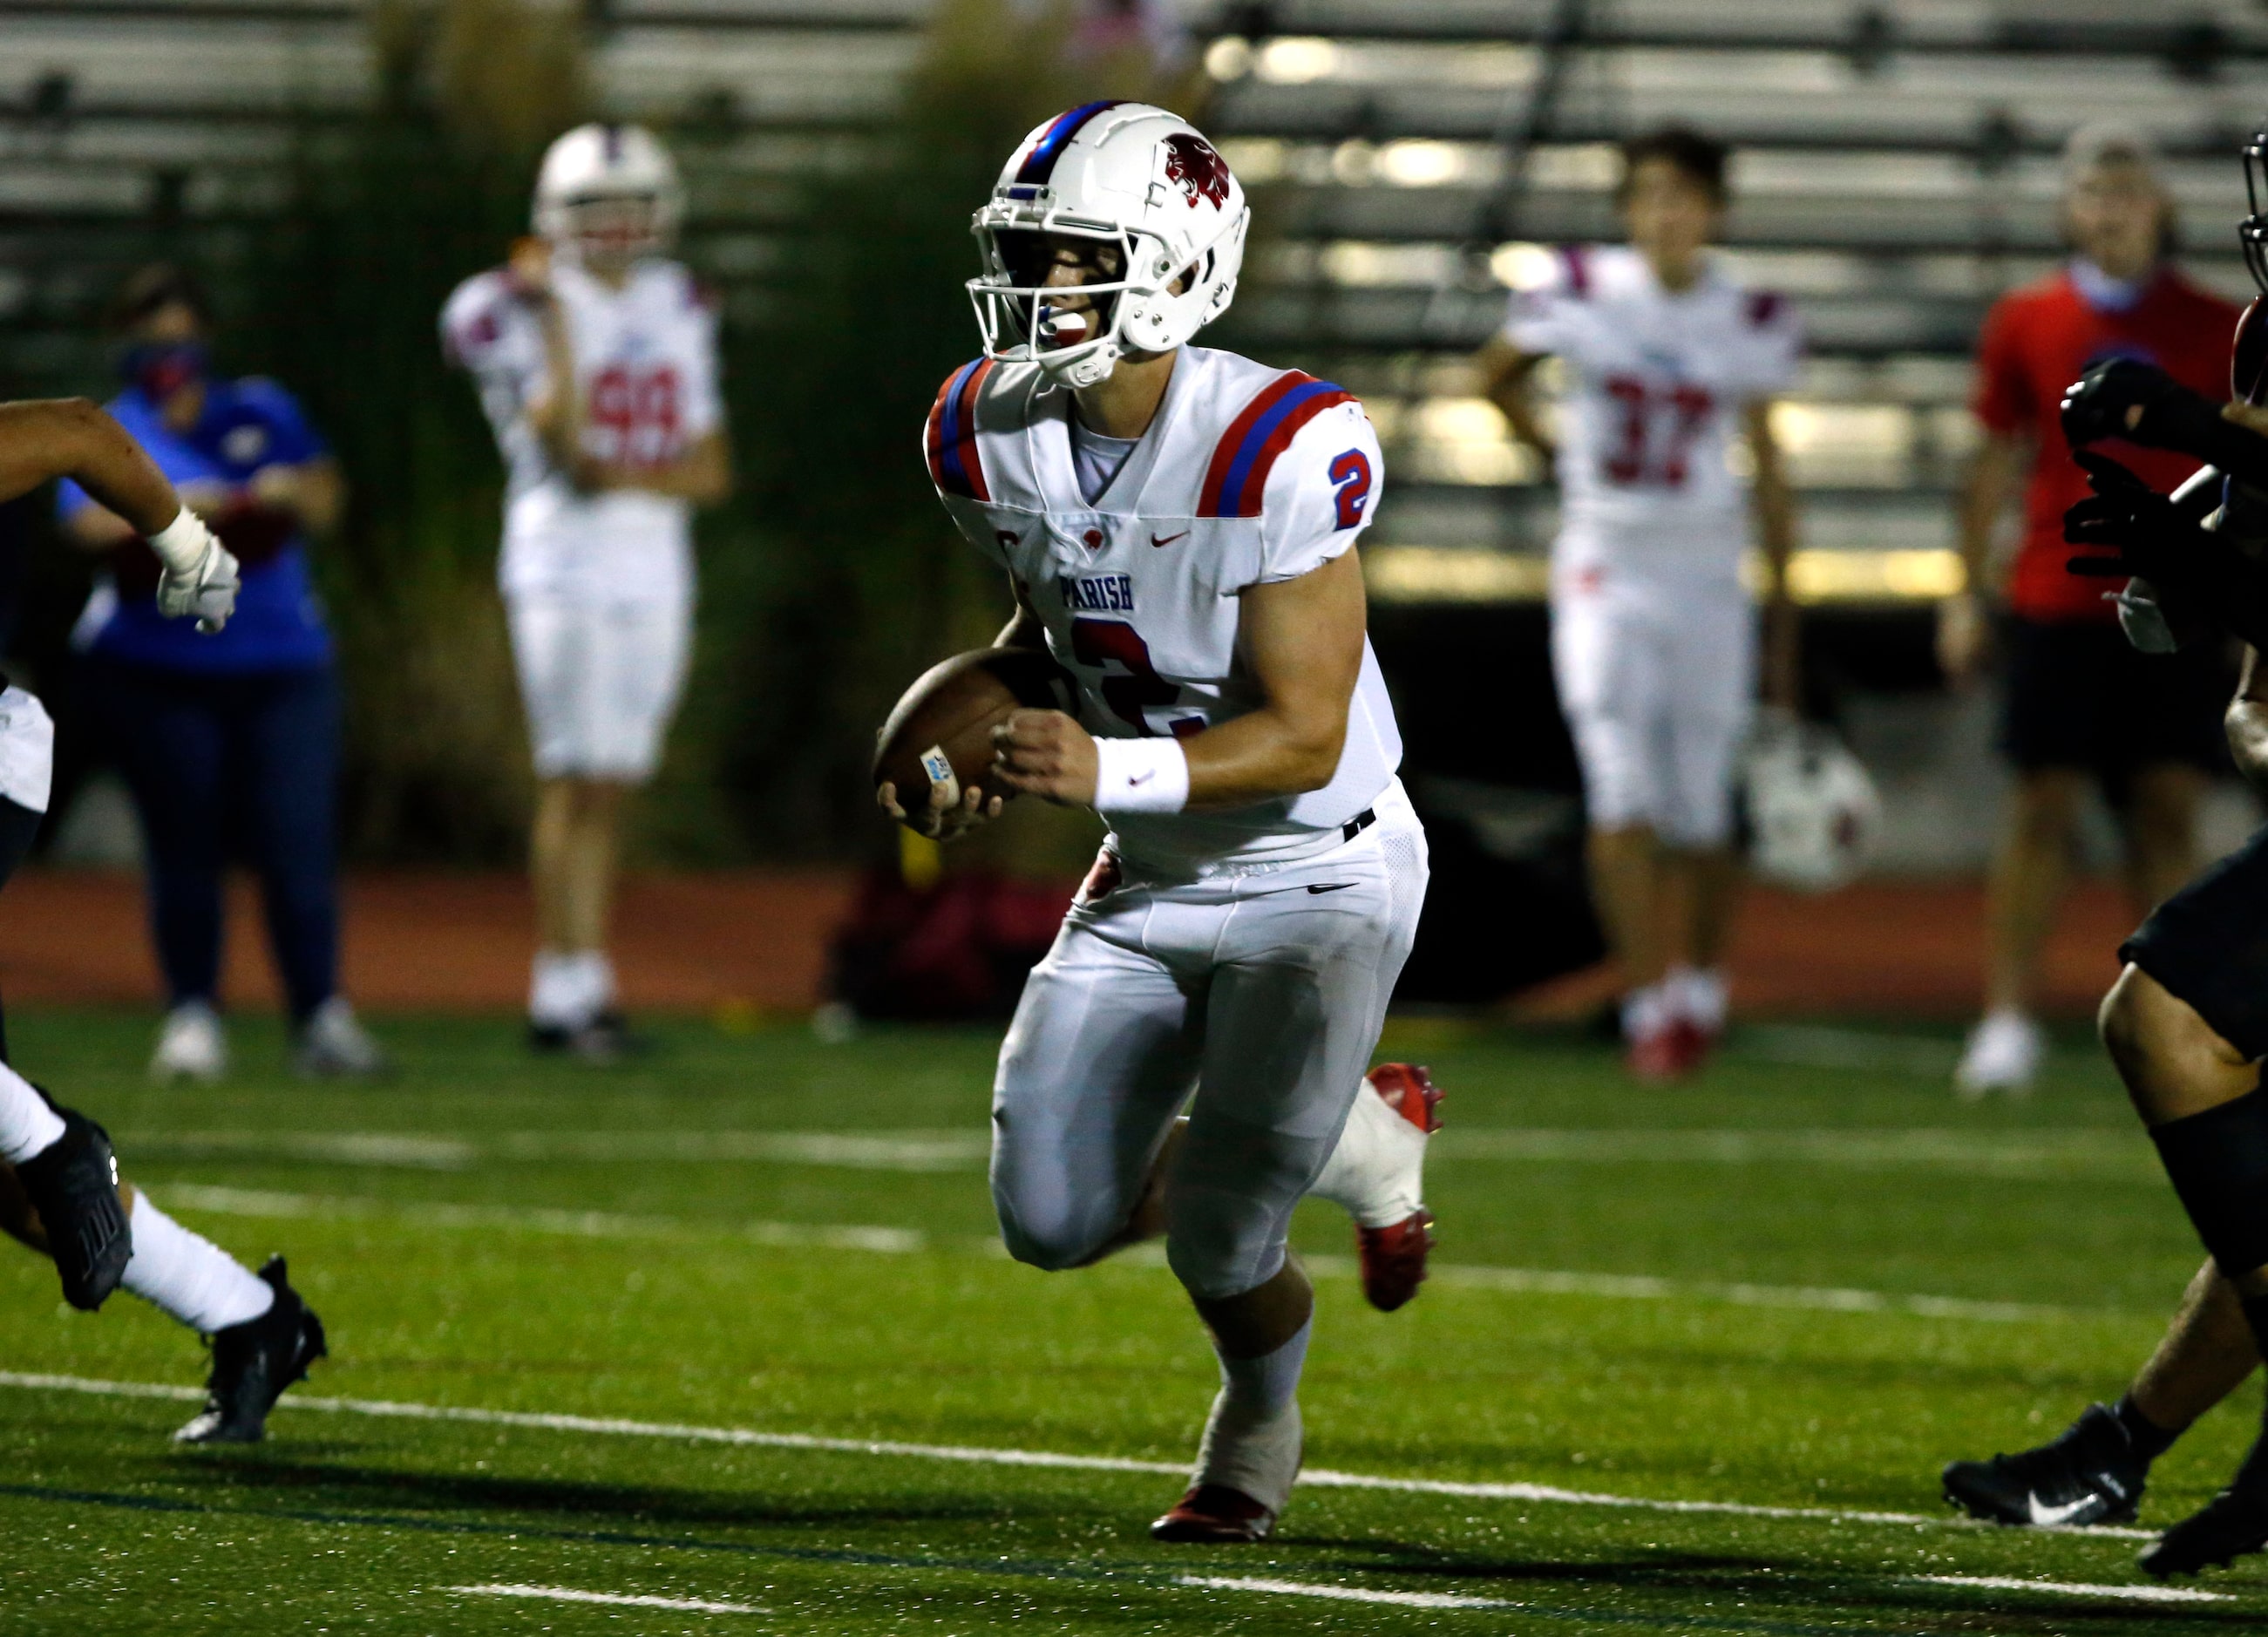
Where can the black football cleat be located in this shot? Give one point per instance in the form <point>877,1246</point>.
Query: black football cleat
<point>252,1363</point>
<point>605,1040</point>
<point>2231,1525</point>
<point>2091,1473</point>
<point>73,1184</point>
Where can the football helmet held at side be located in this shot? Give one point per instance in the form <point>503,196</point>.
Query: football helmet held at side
<point>1813,813</point>
<point>1125,175</point>
<point>608,192</point>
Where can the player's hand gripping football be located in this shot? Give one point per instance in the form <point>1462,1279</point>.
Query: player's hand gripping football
<point>1049,755</point>
<point>941,823</point>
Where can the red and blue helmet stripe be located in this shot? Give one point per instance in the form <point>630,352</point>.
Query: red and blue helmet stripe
<point>1040,164</point>
<point>1238,478</point>
<point>949,438</point>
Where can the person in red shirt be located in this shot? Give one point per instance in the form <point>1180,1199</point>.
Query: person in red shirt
<point>2081,705</point>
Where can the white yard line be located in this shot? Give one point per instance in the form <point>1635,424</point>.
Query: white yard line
<point>865,1151</point>
<point>2107,1154</point>
<point>622,1600</point>
<point>255,1202</point>
<point>2132,1594</point>
<point>1321,1478</point>
<point>260,1202</point>
<point>1342,1593</point>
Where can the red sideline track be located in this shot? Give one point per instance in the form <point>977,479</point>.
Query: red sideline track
<point>756,940</point>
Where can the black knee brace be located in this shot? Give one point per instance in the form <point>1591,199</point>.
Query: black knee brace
<point>2218,1161</point>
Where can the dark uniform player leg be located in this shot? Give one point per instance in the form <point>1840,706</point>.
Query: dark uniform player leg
<point>2187,1025</point>
<point>65,1198</point>
<point>19,827</point>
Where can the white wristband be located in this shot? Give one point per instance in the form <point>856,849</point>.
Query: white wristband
<point>180,545</point>
<point>1140,775</point>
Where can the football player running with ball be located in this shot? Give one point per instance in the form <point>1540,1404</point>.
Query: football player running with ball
<point>596,359</point>
<point>1668,361</point>
<point>1178,525</point>
<point>60,1192</point>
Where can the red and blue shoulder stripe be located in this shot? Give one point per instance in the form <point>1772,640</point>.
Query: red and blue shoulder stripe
<point>1238,478</point>
<point>951,437</point>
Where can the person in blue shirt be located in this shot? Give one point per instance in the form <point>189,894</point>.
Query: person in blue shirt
<point>235,733</point>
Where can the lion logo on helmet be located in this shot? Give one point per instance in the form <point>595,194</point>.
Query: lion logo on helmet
<point>1202,172</point>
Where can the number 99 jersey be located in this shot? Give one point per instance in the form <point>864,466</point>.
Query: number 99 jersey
<point>1248,476</point>
<point>645,365</point>
<point>1656,383</point>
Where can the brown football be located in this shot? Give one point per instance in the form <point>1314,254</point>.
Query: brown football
<point>940,735</point>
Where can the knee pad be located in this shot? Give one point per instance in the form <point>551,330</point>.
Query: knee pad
<point>1054,1236</point>
<point>1213,1267</point>
<point>2218,1161</point>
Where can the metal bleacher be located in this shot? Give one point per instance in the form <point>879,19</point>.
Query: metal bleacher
<point>1897,169</point>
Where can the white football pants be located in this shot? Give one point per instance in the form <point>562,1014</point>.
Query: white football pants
<point>1657,681</point>
<point>599,680</point>
<point>1262,993</point>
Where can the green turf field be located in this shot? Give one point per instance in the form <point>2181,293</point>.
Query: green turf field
<point>1789,1291</point>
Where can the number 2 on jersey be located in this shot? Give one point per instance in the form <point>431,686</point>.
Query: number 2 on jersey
<point>1656,432</point>
<point>1099,643</point>
<point>1350,475</point>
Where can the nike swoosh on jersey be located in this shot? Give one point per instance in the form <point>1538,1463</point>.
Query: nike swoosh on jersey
<point>1333,887</point>
<point>2048,1517</point>
<point>1169,539</point>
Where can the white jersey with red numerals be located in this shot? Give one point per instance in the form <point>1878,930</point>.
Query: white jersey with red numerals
<point>1656,385</point>
<point>645,365</point>
<point>1248,476</point>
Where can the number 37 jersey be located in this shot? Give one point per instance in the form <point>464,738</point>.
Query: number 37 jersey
<point>1657,382</point>
<point>1247,476</point>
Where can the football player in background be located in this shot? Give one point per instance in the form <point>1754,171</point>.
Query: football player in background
<point>60,1192</point>
<point>1178,526</point>
<point>596,359</point>
<point>1668,361</point>
<point>2081,707</point>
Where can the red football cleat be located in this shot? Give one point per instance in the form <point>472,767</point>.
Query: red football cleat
<point>1394,1256</point>
<point>1668,1053</point>
<point>1408,1090</point>
<point>1393,1260</point>
<point>1214,1514</point>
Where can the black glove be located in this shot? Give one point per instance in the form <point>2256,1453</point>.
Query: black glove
<point>2142,404</point>
<point>2148,536</point>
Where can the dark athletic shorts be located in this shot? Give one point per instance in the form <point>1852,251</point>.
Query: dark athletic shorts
<point>2208,945</point>
<point>2078,696</point>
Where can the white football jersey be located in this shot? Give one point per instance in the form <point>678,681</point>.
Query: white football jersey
<point>1248,476</point>
<point>1656,385</point>
<point>646,364</point>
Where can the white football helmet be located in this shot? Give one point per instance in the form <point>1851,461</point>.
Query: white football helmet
<point>608,192</point>
<point>1127,175</point>
<point>1812,810</point>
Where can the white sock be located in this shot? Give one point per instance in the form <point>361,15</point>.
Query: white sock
<point>554,991</point>
<point>1698,995</point>
<point>1645,1011</point>
<point>1375,1172</point>
<point>595,976</point>
<point>27,1124</point>
<point>191,1277</point>
<point>1252,1438</point>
